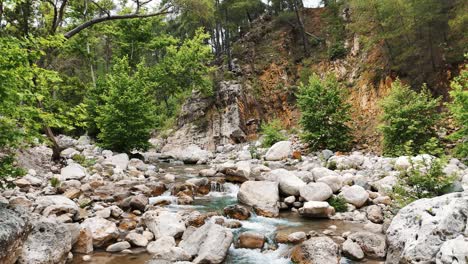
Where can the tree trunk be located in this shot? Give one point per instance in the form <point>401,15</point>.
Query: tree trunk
<point>301,26</point>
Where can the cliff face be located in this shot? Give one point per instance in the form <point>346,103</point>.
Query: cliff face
<point>269,64</point>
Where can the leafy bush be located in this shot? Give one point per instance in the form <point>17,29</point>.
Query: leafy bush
<point>459,110</point>
<point>408,121</point>
<point>425,179</point>
<point>272,133</point>
<point>126,119</point>
<point>9,170</point>
<point>336,51</point>
<point>339,203</point>
<point>83,161</point>
<point>325,114</point>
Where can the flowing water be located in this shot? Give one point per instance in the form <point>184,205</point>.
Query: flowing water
<point>220,196</point>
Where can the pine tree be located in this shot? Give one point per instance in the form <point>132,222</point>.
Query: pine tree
<point>126,119</point>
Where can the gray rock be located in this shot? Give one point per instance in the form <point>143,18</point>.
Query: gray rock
<point>262,195</point>
<point>119,246</point>
<point>355,195</point>
<point>162,246</point>
<point>419,230</point>
<point>352,250</point>
<point>289,183</point>
<point>72,172</point>
<point>321,172</point>
<point>103,231</point>
<point>372,245</point>
<point>316,191</point>
<point>164,223</point>
<point>120,160</point>
<point>208,244</point>
<point>55,204</point>
<point>14,229</point>
<point>315,209</point>
<point>316,250</point>
<point>279,151</point>
<point>375,214</point>
<point>453,251</point>
<point>334,182</point>
<point>49,242</point>
<point>136,239</point>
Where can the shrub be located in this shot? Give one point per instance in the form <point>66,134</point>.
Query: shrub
<point>272,133</point>
<point>128,116</point>
<point>254,152</point>
<point>408,121</point>
<point>9,171</point>
<point>325,114</point>
<point>336,51</point>
<point>425,179</point>
<point>54,182</point>
<point>459,110</point>
<point>339,203</point>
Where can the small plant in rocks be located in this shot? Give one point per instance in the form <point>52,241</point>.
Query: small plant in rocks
<point>422,180</point>
<point>9,171</point>
<point>272,133</point>
<point>54,182</point>
<point>339,203</point>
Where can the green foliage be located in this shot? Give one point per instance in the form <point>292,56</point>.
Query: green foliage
<point>55,182</point>
<point>459,110</point>
<point>325,113</point>
<point>9,171</point>
<point>408,121</point>
<point>336,51</point>
<point>254,152</point>
<point>127,117</point>
<point>339,203</point>
<point>422,180</point>
<point>272,133</point>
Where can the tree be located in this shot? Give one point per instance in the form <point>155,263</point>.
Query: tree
<point>459,110</point>
<point>324,113</point>
<point>127,117</point>
<point>408,121</point>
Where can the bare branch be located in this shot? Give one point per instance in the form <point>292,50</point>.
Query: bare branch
<point>100,7</point>
<point>101,19</point>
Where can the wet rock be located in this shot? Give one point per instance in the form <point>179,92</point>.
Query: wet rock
<point>72,172</point>
<point>103,231</point>
<point>84,245</point>
<point>316,191</point>
<point>280,150</point>
<point>315,209</point>
<point>118,247</point>
<point>237,212</point>
<point>14,227</point>
<point>352,250</point>
<point>240,174</point>
<point>419,230</point>
<point>375,214</point>
<point>208,244</point>
<point>261,195</point>
<point>196,219</point>
<point>48,242</point>
<point>317,250</point>
<point>250,240</point>
<point>164,223</point>
<point>355,195</point>
<point>372,245</point>
<point>136,239</point>
<point>297,237</point>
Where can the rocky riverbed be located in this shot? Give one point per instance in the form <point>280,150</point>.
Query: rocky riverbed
<point>240,204</point>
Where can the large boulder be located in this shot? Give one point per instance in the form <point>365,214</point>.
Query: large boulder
<point>49,243</point>
<point>355,195</point>
<point>315,209</point>
<point>263,196</point>
<point>453,251</point>
<point>418,232</point>
<point>289,183</point>
<point>240,173</point>
<point>164,223</point>
<point>208,244</point>
<point>14,228</point>
<point>320,172</point>
<point>237,212</point>
<point>191,154</point>
<point>103,231</point>
<point>56,204</point>
<point>73,171</point>
<point>334,182</point>
<point>317,250</point>
<point>316,191</point>
<point>280,150</point>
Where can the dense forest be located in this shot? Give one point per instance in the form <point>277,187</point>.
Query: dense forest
<point>351,87</point>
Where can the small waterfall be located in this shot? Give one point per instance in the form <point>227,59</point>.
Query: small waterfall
<point>216,187</point>
<point>165,198</point>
